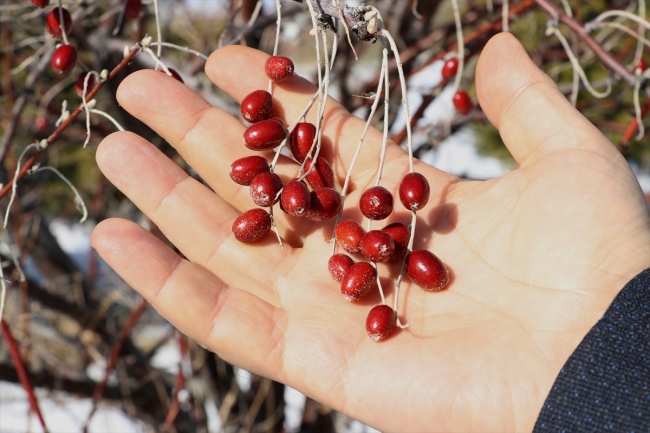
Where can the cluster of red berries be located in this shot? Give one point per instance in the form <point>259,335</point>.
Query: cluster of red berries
<point>461,99</point>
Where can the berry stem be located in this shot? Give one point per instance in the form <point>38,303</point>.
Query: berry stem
<point>384,139</point>
<point>109,117</point>
<point>278,7</point>
<point>638,54</point>
<point>275,227</point>
<point>38,145</point>
<point>504,16</point>
<point>180,48</point>
<point>159,64</point>
<point>78,201</point>
<point>461,46</point>
<point>85,103</point>
<point>159,36</point>
<point>409,248</point>
<point>62,24</point>
<point>381,290</point>
<point>637,108</point>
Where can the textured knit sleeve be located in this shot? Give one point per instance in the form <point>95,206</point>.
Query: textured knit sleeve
<point>605,384</point>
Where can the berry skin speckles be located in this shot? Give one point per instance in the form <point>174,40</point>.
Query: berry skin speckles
<point>252,225</point>
<point>380,322</point>
<point>426,270</point>
<point>278,68</point>
<point>376,203</point>
<point>256,106</point>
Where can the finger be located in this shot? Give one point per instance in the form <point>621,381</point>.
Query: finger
<point>244,329</point>
<point>533,117</point>
<point>197,221</point>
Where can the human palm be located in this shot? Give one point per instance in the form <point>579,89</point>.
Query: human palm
<point>535,257</point>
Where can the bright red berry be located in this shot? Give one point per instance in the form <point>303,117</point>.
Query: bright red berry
<point>278,68</point>
<point>380,322</point>
<point>252,225</point>
<point>349,234</point>
<point>295,198</point>
<point>40,3</point>
<point>462,102</point>
<point>426,270</point>
<point>243,170</point>
<point>64,59</point>
<point>358,281</point>
<point>450,68</point>
<point>265,188</point>
<point>376,203</point>
<point>641,65</point>
<point>377,246</point>
<point>264,135</point>
<point>325,204</point>
<point>338,265</point>
<point>132,9</point>
<point>400,234</point>
<point>175,75</point>
<point>414,191</point>
<point>322,174</point>
<point>301,139</point>
<point>256,106</point>
<point>79,86</point>
<point>53,23</point>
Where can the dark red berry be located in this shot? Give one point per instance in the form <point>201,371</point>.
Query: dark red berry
<point>278,68</point>
<point>338,265</point>
<point>277,119</point>
<point>414,191</point>
<point>358,281</point>
<point>325,204</point>
<point>641,65</point>
<point>243,170</point>
<point>79,86</point>
<point>64,59</point>
<point>265,189</point>
<point>132,9</point>
<point>349,234</point>
<point>53,23</point>
<point>450,68</point>
<point>40,3</point>
<point>377,246</point>
<point>462,102</point>
<point>376,203</point>
<point>175,75</point>
<point>256,106</point>
<point>426,270</point>
<point>400,234</point>
<point>252,225</point>
<point>322,174</point>
<point>264,135</point>
<point>301,139</point>
<point>380,322</point>
<point>41,124</point>
<point>295,198</point>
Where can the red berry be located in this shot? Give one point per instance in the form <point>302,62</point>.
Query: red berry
<point>462,102</point>
<point>175,75</point>
<point>414,191</point>
<point>132,9</point>
<point>257,106</point>
<point>338,265</point>
<point>79,86</point>
<point>426,270</point>
<point>641,65</point>
<point>376,203</point>
<point>41,124</point>
<point>53,23</point>
<point>280,121</point>
<point>380,322</point>
<point>40,3</point>
<point>265,188</point>
<point>64,59</point>
<point>358,281</point>
<point>322,174</point>
<point>377,246</point>
<point>325,204</point>
<point>450,68</point>
<point>252,225</point>
<point>349,234</point>
<point>278,68</point>
<point>301,139</point>
<point>243,170</point>
<point>400,234</point>
<point>264,135</point>
<point>295,198</point>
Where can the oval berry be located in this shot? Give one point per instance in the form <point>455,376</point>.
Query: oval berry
<point>322,174</point>
<point>349,234</point>
<point>252,225</point>
<point>40,3</point>
<point>278,68</point>
<point>376,203</point>
<point>358,281</point>
<point>53,23</point>
<point>426,270</point>
<point>301,139</point>
<point>79,85</point>
<point>132,9</point>
<point>325,204</point>
<point>400,234</point>
<point>462,102</point>
<point>295,198</point>
<point>264,135</point>
<point>256,106</point>
<point>41,124</point>
<point>338,265</point>
<point>377,246</point>
<point>64,59</point>
<point>174,74</point>
<point>414,191</point>
<point>450,68</point>
<point>380,322</point>
<point>243,170</point>
<point>265,188</point>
